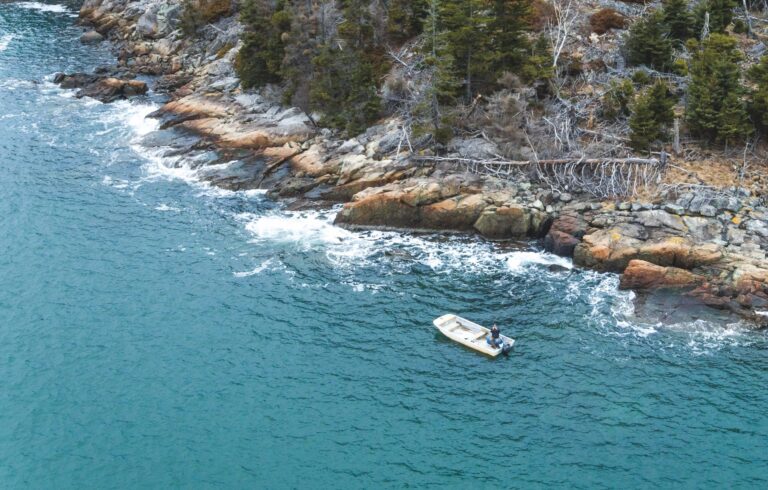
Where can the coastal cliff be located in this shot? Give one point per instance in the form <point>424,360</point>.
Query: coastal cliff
<point>708,244</point>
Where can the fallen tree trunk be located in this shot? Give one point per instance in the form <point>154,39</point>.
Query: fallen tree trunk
<point>562,161</point>
<point>601,177</point>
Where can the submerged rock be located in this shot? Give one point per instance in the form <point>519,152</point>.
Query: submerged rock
<point>91,37</point>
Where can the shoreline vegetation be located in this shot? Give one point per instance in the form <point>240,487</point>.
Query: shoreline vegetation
<point>418,121</point>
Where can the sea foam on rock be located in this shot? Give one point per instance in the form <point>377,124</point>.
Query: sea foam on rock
<point>719,259</point>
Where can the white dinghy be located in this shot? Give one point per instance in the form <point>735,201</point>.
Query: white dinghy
<point>471,334</point>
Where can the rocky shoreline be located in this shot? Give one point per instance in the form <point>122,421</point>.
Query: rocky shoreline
<point>711,247</point>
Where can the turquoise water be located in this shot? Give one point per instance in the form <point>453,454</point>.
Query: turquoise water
<point>158,333</point>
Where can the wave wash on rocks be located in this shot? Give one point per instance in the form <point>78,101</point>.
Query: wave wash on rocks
<point>713,250</point>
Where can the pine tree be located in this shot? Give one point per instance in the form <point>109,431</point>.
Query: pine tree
<point>616,101</point>
<point>510,21</point>
<point>259,61</point>
<point>679,19</point>
<point>645,129</point>
<point>720,15</point>
<point>344,87</point>
<point>715,109</point>
<point>443,84</point>
<point>405,19</point>
<point>733,120</point>
<point>463,26</point>
<point>758,99</point>
<point>662,103</point>
<point>651,116</point>
<point>538,67</point>
<point>648,43</point>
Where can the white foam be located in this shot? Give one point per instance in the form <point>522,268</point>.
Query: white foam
<point>704,337</point>
<point>517,261</point>
<point>255,192</point>
<point>172,168</point>
<point>165,207</point>
<point>157,165</point>
<point>132,115</point>
<point>5,40</point>
<point>258,270</point>
<point>44,7</point>
<point>307,229</point>
<point>613,314</point>
<point>115,183</point>
<point>16,83</point>
<point>314,230</point>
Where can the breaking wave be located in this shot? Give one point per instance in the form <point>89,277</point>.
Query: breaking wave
<point>45,7</point>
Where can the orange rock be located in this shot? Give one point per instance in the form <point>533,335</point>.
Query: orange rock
<point>640,274</point>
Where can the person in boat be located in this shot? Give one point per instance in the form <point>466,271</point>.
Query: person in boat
<point>494,339</point>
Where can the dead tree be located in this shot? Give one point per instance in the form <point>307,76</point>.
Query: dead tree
<point>603,178</point>
<point>561,27</point>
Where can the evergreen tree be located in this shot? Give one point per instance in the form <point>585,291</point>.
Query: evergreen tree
<point>443,85</point>
<point>303,42</point>
<point>758,100</point>
<point>463,26</point>
<point>643,125</point>
<point>720,15</point>
<point>260,59</point>
<point>405,19</point>
<point>715,109</point>
<point>648,43</point>
<point>733,120</point>
<point>510,21</point>
<point>344,87</point>
<point>679,19</point>
<point>662,103</point>
<point>652,113</point>
<point>538,66</point>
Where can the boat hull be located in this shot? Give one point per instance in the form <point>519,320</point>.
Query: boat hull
<point>471,335</point>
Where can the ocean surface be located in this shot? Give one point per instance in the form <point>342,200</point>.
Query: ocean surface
<point>159,333</point>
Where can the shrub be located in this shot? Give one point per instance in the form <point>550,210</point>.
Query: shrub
<point>740,27</point>
<point>615,102</point>
<point>641,77</point>
<point>680,67</point>
<point>607,19</point>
